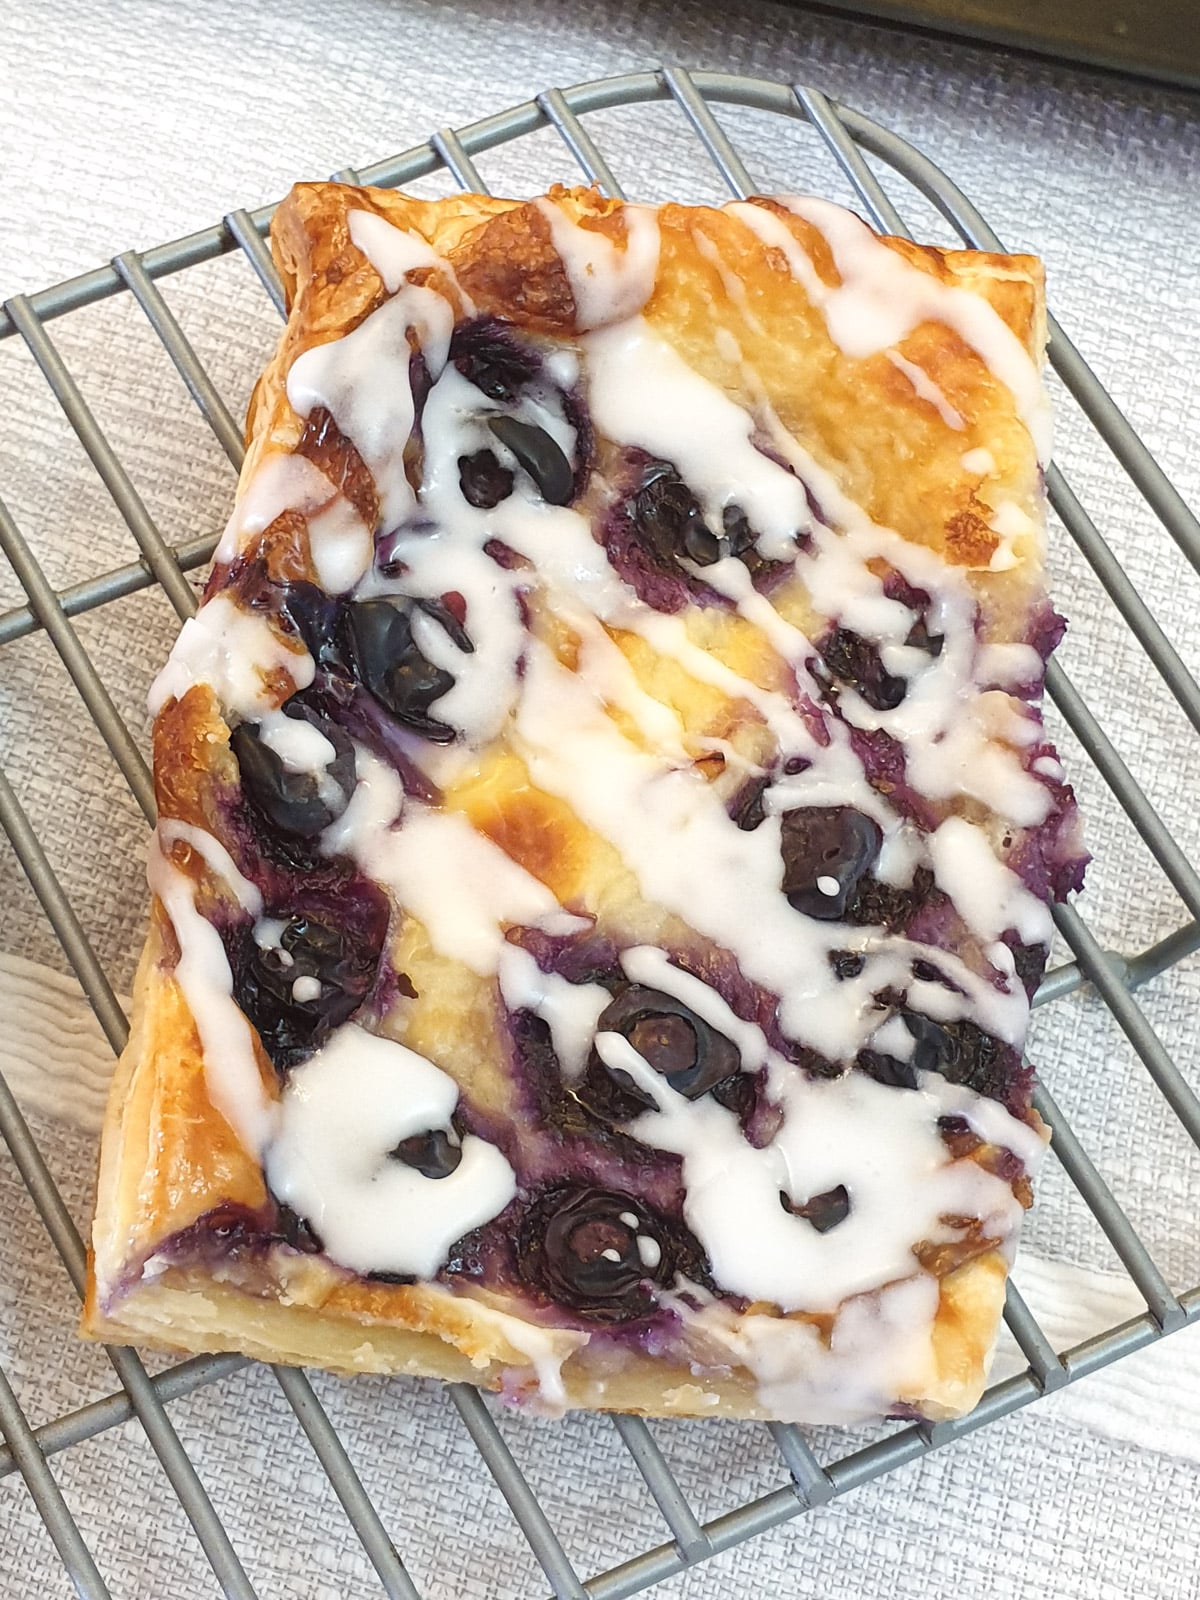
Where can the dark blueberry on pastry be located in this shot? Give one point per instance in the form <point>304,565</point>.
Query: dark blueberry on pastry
<point>313,615</point>
<point>671,1039</point>
<point>672,528</point>
<point>962,1053</point>
<point>483,481</point>
<point>668,518</point>
<point>888,1070</point>
<point>292,1228</point>
<point>856,663</point>
<point>297,992</point>
<point>739,535</point>
<point>489,355</point>
<point>747,809</point>
<point>846,963</point>
<point>741,542</point>
<point>435,1154</point>
<point>824,1211</point>
<point>959,1051</point>
<point>827,850</point>
<point>542,457</point>
<point>388,661</point>
<point>934,1047</point>
<point>595,1252</point>
<point>298,804</point>
<point>886,905</point>
<point>920,638</point>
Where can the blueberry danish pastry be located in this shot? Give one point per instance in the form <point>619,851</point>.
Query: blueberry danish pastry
<point>606,825</point>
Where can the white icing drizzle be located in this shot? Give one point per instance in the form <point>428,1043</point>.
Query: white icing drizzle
<point>663,820</point>
<point>987,895</point>
<point>926,389</point>
<point>392,251</point>
<point>608,284</point>
<point>231,1073</point>
<point>458,884</point>
<point>342,1112</point>
<point>1007,666</point>
<point>642,393</point>
<point>340,544</point>
<point>216,858</point>
<point>339,541</point>
<point>979,461</point>
<point>881,1143</point>
<point>299,745</point>
<point>570,1010</point>
<point>268,931</point>
<point>733,286</point>
<point>1011,523</point>
<point>281,483</point>
<point>546,1349</point>
<point>948,749</point>
<point>879,1349</point>
<point>233,651</point>
<point>882,297</point>
<point>362,380</point>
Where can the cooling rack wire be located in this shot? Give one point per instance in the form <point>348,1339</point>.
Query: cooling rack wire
<point>849,139</point>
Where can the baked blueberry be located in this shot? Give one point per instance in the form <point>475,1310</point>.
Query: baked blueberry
<point>292,1228</point>
<point>489,355</point>
<point>827,851</point>
<point>963,1053</point>
<point>669,520</point>
<point>824,1211</point>
<point>483,481</point>
<point>388,661</point>
<point>673,1041</point>
<point>595,1252</point>
<point>888,1070</point>
<point>846,963</point>
<point>541,455</point>
<point>747,809</point>
<point>298,804</point>
<point>886,905</point>
<point>920,638</point>
<point>435,1154</point>
<point>935,1047</point>
<point>297,992</point>
<point>314,616</point>
<point>856,663</point>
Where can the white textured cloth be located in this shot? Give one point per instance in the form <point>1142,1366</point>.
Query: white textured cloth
<point>125,126</point>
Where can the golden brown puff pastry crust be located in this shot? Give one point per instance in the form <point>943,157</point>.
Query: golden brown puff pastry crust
<point>888,379</point>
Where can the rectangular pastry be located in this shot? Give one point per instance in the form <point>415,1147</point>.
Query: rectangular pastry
<point>606,823</point>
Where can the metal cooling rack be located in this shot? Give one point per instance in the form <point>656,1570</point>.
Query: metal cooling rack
<point>808,1481</point>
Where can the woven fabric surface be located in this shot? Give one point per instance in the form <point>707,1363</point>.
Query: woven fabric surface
<point>126,126</point>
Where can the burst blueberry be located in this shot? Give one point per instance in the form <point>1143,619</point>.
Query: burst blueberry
<point>855,663</point>
<point>488,354</point>
<point>483,481</point>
